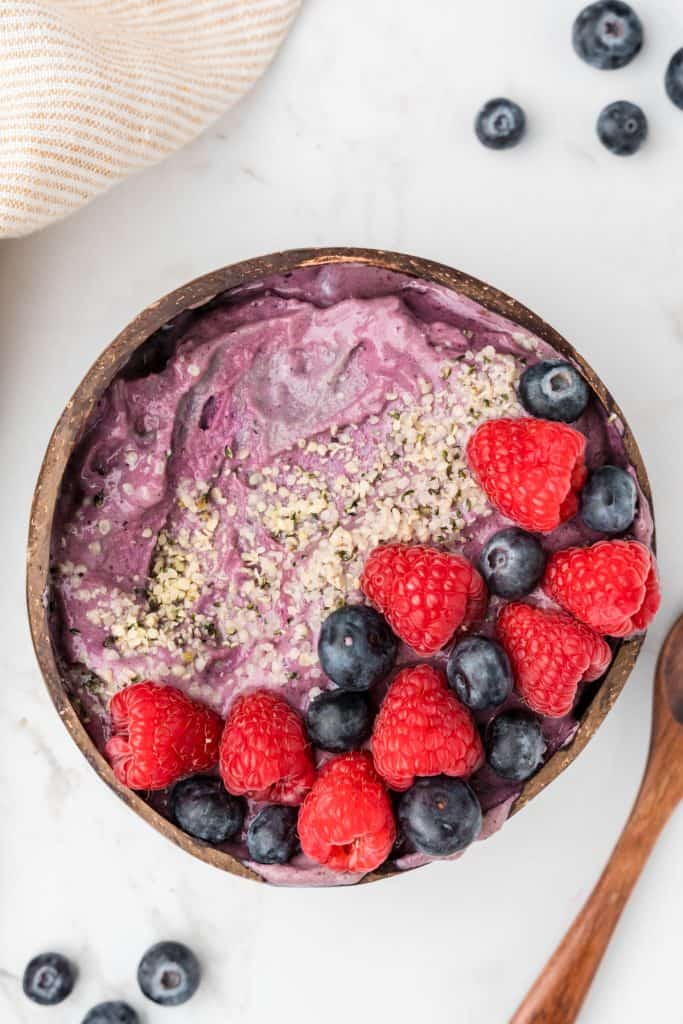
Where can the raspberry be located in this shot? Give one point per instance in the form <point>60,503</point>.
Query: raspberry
<point>530,470</point>
<point>423,729</point>
<point>346,822</point>
<point>160,735</point>
<point>611,586</point>
<point>551,654</point>
<point>424,594</point>
<point>264,751</point>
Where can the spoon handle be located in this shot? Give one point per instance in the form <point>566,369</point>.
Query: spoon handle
<point>559,992</point>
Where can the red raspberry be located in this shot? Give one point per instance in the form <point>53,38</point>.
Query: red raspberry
<point>160,735</point>
<point>346,822</point>
<point>423,593</point>
<point>530,470</point>
<point>612,585</point>
<point>423,729</point>
<point>551,654</point>
<point>264,751</point>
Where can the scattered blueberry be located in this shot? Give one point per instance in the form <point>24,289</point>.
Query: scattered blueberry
<point>607,34</point>
<point>356,647</point>
<point>48,979</point>
<point>553,390</point>
<point>622,128</point>
<point>500,124</point>
<point>479,671</point>
<point>169,973</point>
<point>608,501</point>
<point>512,562</point>
<point>515,745</point>
<point>203,808</point>
<point>111,1013</point>
<point>339,720</point>
<point>674,79</point>
<point>439,815</point>
<point>272,836</point>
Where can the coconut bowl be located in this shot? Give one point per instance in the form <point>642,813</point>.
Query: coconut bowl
<point>597,699</point>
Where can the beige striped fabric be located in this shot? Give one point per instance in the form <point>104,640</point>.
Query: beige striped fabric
<point>92,90</point>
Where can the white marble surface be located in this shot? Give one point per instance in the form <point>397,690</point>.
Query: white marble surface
<point>361,134</point>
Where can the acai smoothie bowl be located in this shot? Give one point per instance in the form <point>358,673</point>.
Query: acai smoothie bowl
<point>336,559</point>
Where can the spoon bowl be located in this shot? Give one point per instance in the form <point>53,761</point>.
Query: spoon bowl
<point>669,702</point>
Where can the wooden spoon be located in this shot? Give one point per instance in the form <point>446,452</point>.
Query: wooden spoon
<point>559,992</point>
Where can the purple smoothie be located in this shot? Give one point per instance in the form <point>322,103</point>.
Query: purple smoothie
<point>232,480</point>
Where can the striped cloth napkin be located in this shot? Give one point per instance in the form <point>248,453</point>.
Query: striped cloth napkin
<point>94,89</point>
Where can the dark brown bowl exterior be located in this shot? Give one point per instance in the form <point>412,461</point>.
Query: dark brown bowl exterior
<point>68,430</point>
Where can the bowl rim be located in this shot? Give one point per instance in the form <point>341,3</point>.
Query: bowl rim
<point>195,294</point>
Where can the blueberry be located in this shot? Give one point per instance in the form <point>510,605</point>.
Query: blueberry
<point>553,390</point>
<point>169,973</point>
<point>608,501</point>
<point>607,34</point>
<point>203,808</point>
<point>339,720</point>
<point>111,1013</point>
<point>515,745</point>
<point>512,562</point>
<point>500,124</point>
<point>479,671</point>
<point>622,128</point>
<point>272,836</point>
<point>439,815</point>
<point>674,79</point>
<point>356,647</point>
<point>48,979</point>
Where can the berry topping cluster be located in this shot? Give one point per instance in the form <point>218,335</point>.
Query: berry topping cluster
<point>168,974</point>
<point>607,35</point>
<point>446,674</point>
